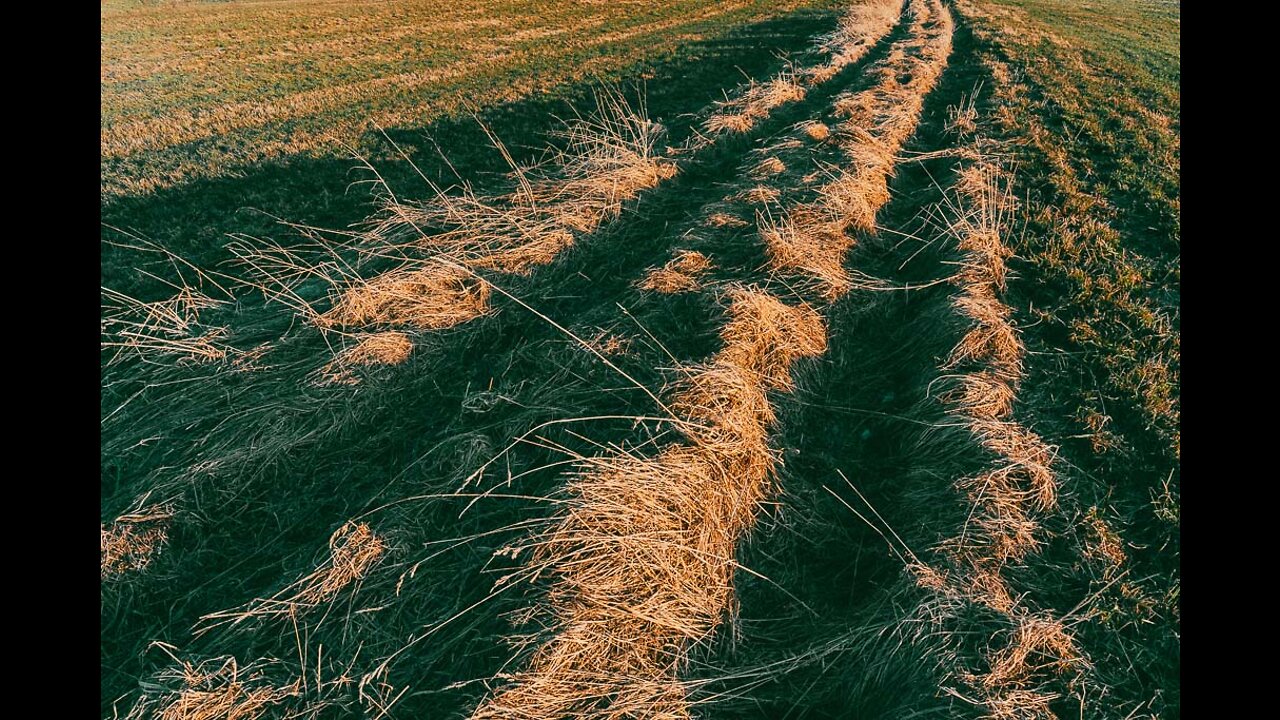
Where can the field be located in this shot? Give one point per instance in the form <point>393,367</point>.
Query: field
<point>736,359</point>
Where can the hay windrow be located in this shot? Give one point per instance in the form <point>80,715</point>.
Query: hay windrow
<point>874,124</point>
<point>1019,485</point>
<point>859,30</point>
<point>427,297</point>
<point>643,557</point>
<point>642,560</point>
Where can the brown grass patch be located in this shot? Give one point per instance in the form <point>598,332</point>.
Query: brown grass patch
<point>855,36</point>
<point>384,348</point>
<point>1000,529</point>
<point>809,242</point>
<point>877,121</point>
<point>681,274</point>
<point>1038,645</point>
<point>1103,543</point>
<point>134,540</point>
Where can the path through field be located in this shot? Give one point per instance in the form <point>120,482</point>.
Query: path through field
<point>717,421</point>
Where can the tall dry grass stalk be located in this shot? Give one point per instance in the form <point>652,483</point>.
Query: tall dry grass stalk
<point>162,328</point>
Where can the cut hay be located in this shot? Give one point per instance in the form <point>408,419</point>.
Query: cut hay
<point>1038,645</point>
<point>876,122</point>
<point>681,274</point>
<point>720,219</point>
<point>855,36</point>
<point>811,243</point>
<point>766,336</point>
<point>981,395</point>
<point>391,347</point>
<point>642,555</point>
<point>133,541</point>
<point>758,195</point>
<point>992,341</point>
<point>759,99</point>
<point>815,130</point>
<point>354,550</point>
<point>215,689</point>
<point>606,158</point>
<point>426,297</point>
<point>1019,484</point>
<point>859,30</point>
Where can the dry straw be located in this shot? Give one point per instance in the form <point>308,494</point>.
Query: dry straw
<point>133,540</point>
<point>371,349</point>
<point>873,125</point>
<point>354,550</point>
<point>1019,483</point>
<point>641,559</point>
<point>214,689</point>
<point>681,274</point>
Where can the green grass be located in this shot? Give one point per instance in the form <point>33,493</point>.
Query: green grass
<point>1091,99</point>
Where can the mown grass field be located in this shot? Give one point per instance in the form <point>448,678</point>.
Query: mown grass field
<point>865,407</point>
<point>197,90</point>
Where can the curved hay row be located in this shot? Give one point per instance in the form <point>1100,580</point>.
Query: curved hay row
<point>642,556</point>
<point>873,125</point>
<point>1018,484</point>
<point>859,30</point>
<point>640,561</point>
<point>809,241</point>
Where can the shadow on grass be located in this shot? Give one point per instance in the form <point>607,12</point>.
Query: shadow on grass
<point>193,219</point>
